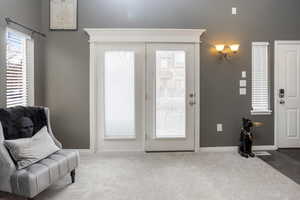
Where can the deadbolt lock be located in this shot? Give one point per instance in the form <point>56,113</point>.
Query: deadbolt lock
<point>281,93</point>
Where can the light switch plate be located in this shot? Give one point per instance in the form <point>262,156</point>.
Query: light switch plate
<point>219,127</point>
<point>243,83</point>
<point>244,74</point>
<point>243,91</point>
<point>234,11</point>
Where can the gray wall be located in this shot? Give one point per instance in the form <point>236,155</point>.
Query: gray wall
<point>67,58</point>
<point>26,12</point>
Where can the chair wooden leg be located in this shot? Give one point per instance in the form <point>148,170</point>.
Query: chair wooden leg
<point>73,176</point>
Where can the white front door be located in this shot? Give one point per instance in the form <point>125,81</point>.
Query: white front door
<point>170,98</point>
<point>287,93</point>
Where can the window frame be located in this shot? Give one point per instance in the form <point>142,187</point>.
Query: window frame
<point>29,62</point>
<point>267,111</point>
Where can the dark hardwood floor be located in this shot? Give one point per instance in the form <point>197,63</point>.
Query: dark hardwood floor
<point>287,161</point>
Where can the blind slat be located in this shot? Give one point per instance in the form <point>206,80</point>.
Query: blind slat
<point>260,82</point>
<point>16,82</point>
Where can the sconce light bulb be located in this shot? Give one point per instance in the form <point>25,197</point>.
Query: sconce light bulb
<point>234,47</point>
<point>220,47</point>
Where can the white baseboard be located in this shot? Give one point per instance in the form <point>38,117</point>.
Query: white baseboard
<point>83,151</point>
<point>235,148</point>
<point>218,149</point>
<point>120,153</point>
<point>202,149</point>
<point>115,152</point>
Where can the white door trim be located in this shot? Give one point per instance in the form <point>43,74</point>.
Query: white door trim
<point>139,35</point>
<point>145,35</point>
<point>276,78</point>
<point>197,97</point>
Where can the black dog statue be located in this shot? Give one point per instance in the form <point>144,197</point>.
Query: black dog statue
<point>246,139</point>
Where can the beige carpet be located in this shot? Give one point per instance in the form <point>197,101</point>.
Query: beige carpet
<point>173,176</point>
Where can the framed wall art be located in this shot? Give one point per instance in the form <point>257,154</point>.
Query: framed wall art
<point>63,15</point>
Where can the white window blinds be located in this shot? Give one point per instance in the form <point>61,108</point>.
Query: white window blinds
<point>16,72</point>
<point>260,78</point>
<point>119,94</point>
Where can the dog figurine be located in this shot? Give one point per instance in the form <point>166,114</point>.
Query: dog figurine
<point>246,139</point>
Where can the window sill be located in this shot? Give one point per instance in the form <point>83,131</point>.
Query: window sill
<point>255,112</point>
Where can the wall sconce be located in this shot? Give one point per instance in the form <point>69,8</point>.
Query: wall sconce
<point>226,50</point>
<point>234,48</point>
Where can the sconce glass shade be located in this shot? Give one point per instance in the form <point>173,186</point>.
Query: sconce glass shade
<point>220,47</point>
<point>234,47</point>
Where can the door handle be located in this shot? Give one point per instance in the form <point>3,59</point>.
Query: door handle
<point>192,102</point>
<point>192,96</point>
<point>282,101</point>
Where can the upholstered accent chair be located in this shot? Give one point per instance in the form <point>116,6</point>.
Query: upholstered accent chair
<point>30,181</point>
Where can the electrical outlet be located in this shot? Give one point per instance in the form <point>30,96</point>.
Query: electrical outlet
<point>219,128</point>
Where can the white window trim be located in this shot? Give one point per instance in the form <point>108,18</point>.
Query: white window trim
<point>269,111</point>
<point>29,66</point>
<point>30,71</point>
<point>140,35</point>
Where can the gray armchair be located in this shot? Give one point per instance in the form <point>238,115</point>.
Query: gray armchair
<point>37,177</point>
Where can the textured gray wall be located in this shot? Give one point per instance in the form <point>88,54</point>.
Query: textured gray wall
<point>26,12</point>
<point>67,58</point>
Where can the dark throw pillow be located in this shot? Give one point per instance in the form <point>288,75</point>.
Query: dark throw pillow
<point>11,118</point>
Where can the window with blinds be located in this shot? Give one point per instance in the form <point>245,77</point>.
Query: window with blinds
<point>260,79</point>
<point>16,72</point>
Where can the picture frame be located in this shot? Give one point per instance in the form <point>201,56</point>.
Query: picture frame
<point>63,15</point>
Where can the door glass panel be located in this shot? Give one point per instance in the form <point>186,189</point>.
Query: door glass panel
<point>170,94</point>
<point>119,94</point>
